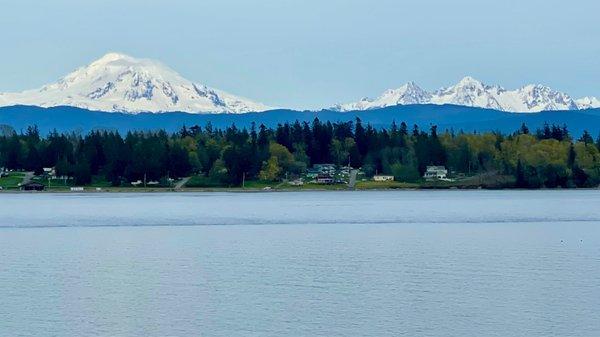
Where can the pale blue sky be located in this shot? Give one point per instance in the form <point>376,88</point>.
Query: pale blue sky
<point>311,53</point>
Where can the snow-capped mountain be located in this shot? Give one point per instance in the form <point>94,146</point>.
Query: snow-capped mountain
<point>588,103</point>
<point>121,83</point>
<point>471,92</point>
<point>410,93</point>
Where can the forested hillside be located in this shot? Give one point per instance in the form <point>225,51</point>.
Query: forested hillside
<point>546,157</point>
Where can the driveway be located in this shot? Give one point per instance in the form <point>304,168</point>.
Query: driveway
<point>27,178</point>
<point>182,183</point>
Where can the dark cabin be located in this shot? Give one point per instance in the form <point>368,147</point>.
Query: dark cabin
<point>33,186</point>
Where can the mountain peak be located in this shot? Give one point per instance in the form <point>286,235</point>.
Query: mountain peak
<point>409,93</point>
<point>120,83</point>
<point>468,80</point>
<point>588,102</point>
<point>113,56</point>
<point>118,59</point>
<point>472,92</point>
<point>123,60</point>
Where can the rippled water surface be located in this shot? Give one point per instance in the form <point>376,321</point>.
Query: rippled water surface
<point>448,263</point>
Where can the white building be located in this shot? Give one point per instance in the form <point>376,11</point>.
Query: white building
<point>383,178</point>
<point>49,171</point>
<point>324,178</point>
<point>436,173</point>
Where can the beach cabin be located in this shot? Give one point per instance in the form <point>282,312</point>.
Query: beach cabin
<point>324,178</point>
<point>383,178</point>
<point>435,173</point>
<point>325,168</point>
<point>49,172</point>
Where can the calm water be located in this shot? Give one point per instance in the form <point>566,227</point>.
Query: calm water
<point>453,263</point>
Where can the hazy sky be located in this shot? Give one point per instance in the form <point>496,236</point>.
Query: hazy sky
<point>311,53</point>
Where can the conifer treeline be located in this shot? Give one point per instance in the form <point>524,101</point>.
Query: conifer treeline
<point>548,157</point>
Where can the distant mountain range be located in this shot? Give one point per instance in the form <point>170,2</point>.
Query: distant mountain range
<point>121,83</point>
<point>473,93</point>
<point>119,92</point>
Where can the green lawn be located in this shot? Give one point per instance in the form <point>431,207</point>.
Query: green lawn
<point>260,184</point>
<point>200,181</point>
<point>58,184</point>
<point>314,186</point>
<point>374,185</point>
<point>99,181</point>
<point>12,180</point>
<point>491,181</point>
<point>204,182</point>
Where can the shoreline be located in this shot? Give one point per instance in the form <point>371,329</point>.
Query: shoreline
<point>254,190</point>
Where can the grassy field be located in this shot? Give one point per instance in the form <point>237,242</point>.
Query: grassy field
<point>260,184</point>
<point>12,181</point>
<point>97,181</point>
<point>490,181</point>
<point>383,185</point>
<point>202,183</point>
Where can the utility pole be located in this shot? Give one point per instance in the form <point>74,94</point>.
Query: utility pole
<point>243,179</point>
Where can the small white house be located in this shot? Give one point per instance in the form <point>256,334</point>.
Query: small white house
<point>436,173</point>
<point>324,178</point>
<point>383,178</point>
<point>49,171</point>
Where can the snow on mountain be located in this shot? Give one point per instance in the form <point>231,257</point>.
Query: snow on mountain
<point>409,93</point>
<point>471,92</point>
<point>588,103</point>
<point>120,83</point>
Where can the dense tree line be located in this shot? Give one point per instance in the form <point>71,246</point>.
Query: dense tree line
<point>548,157</point>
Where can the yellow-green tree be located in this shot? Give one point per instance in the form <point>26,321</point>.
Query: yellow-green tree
<point>270,169</point>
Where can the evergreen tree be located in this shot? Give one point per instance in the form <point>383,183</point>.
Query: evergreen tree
<point>225,156</point>
<point>586,138</point>
<point>572,156</point>
<point>520,175</point>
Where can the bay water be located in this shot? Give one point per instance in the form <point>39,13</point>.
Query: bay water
<point>389,263</point>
